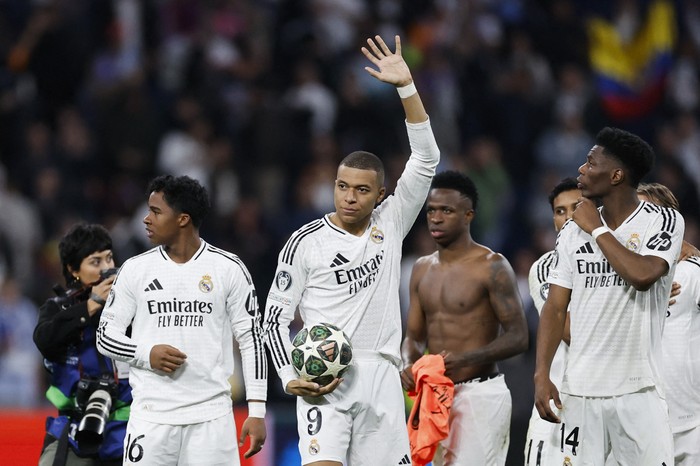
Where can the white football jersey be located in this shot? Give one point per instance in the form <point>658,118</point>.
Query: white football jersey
<point>539,290</point>
<point>194,307</point>
<point>351,281</point>
<point>616,330</point>
<point>681,348</point>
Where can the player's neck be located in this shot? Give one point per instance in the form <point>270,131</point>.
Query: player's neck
<point>617,207</point>
<point>182,250</point>
<point>356,229</point>
<point>456,249</point>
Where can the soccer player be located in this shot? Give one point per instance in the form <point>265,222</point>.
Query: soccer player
<point>613,272</point>
<point>681,346</point>
<point>542,442</point>
<point>344,269</point>
<point>465,305</point>
<point>183,299</point>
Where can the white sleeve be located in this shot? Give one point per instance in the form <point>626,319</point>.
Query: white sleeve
<point>537,279</point>
<point>244,315</point>
<point>282,300</point>
<point>117,315</point>
<point>666,236</point>
<point>413,185</point>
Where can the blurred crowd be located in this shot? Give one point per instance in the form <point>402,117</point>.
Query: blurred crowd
<point>260,99</point>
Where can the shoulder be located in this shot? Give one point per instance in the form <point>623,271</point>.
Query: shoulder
<point>425,261</point>
<point>305,235</point>
<point>670,218</point>
<point>152,255</point>
<point>543,263</point>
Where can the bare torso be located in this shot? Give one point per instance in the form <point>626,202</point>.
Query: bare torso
<point>456,298</point>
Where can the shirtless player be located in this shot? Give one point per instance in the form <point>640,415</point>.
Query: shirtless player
<point>465,305</point>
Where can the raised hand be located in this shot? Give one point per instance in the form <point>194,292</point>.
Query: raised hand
<point>392,67</point>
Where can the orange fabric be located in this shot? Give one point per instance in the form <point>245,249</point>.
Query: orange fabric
<point>428,422</point>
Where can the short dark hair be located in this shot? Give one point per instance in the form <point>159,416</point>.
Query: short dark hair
<point>636,155</point>
<point>451,179</point>
<point>567,184</point>
<point>184,194</point>
<point>363,160</point>
<point>79,242</point>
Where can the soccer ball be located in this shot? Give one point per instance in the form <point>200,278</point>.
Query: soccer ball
<point>321,353</point>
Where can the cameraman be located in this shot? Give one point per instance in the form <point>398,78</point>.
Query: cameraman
<point>65,335</point>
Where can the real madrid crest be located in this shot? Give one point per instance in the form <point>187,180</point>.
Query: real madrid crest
<point>376,235</point>
<point>567,461</point>
<point>314,447</point>
<point>634,242</point>
<point>205,284</point>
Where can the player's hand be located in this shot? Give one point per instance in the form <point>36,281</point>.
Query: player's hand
<point>392,67</point>
<point>407,381</point>
<point>675,291</point>
<point>545,391</point>
<point>453,363</point>
<point>586,215</point>
<point>301,387</point>
<point>688,250</point>
<point>166,358</point>
<point>253,427</point>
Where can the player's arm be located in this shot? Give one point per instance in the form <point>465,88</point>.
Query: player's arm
<point>507,306</point>
<point>640,271</point>
<point>280,307</point>
<point>415,342</point>
<point>549,334</point>
<point>246,325</point>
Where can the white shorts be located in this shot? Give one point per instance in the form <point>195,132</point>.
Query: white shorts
<point>542,444</point>
<point>479,424</point>
<point>633,427</point>
<point>208,443</point>
<point>686,446</point>
<point>362,422</point>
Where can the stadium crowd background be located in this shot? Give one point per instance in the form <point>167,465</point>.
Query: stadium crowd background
<point>260,99</point>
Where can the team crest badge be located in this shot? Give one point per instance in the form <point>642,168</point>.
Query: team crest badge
<point>205,284</point>
<point>283,280</point>
<point>567,461</point>
<point>314,447</point>
<point>634,242</point>
<point>544,291</point>
<point>377,235</point>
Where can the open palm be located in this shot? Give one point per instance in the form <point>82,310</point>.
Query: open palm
<point>392,67</point>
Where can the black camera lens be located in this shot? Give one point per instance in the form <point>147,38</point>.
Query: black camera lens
<point>92,425</point>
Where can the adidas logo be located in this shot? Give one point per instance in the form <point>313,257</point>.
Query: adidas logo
<point>339,260</point>
<point>154,285</point>
<point>585,249</point>
<point>405,460</point>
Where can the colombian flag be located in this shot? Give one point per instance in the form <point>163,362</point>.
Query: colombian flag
<point>631,75</point>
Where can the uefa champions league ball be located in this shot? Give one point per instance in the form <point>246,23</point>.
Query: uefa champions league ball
<point>321,353</point>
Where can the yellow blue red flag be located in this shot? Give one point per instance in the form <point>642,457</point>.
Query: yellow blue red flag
<point>631,75</point>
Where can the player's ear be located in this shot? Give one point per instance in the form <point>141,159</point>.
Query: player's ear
<point>380,197</point>
<point>617,176</point>
<point>183,219</point>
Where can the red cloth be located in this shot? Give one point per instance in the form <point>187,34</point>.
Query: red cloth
<point>428,422</point>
